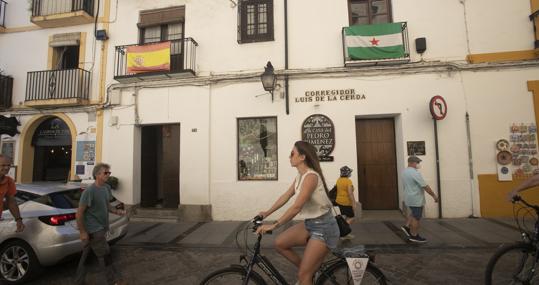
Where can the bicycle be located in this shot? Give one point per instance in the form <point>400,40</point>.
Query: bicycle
<point>333,271</point>
<point>516,263</point>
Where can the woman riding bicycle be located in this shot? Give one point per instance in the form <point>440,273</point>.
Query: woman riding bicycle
<point>319,232</point>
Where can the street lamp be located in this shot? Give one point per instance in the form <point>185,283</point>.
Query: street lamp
<point>268,79</point>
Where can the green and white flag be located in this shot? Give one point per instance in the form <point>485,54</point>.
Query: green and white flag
<point>378,41</point>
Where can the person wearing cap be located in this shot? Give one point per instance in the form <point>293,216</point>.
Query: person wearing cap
<point>345,197</point>
<point>414,198</point>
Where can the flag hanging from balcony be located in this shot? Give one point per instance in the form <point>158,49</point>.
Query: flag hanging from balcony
<point>148,58</point>
<point>370,42</point>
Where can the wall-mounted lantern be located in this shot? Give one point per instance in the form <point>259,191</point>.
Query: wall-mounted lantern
<point>268,79</point>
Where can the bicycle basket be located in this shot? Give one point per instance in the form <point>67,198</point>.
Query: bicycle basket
<point>356,251</point>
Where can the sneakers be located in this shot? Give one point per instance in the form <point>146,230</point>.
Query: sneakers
<point>417,239</point>
<point>406,230</point>
<point>348,236</point>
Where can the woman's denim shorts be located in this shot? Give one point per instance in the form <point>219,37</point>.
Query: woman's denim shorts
<point>324,228</point>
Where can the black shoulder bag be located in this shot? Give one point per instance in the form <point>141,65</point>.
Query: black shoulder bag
<point>344,227</point>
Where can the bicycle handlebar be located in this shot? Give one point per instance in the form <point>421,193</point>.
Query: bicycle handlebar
<point>257,222</point>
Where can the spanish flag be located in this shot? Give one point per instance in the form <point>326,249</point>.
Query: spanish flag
<point>148,58</point>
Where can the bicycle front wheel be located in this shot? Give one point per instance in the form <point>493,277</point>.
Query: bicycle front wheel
<point>233,275</point>
<point>339,274</point>
<point>512,264</point>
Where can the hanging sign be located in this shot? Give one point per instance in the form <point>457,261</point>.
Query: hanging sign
<point>52,132</point>
<point>319,131</point>
<point>438,107</point>
<point>9,126</point>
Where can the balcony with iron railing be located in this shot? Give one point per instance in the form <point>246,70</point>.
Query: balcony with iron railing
<point>375,44</point>
<point>62,13</point>
<point>3,6</point>
<point>181,63</point>
<point>6,91</point>
<point>66,87</point>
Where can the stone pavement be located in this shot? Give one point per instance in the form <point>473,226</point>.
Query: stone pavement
<point>173,252</point>
<point>377,234</point>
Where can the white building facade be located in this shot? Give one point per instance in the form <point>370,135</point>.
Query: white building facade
<point>206,138</point>
<point>52,83</point>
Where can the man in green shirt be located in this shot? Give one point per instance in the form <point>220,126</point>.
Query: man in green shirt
<point>93,223</point>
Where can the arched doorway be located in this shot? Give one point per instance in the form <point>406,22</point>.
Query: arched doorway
<point>52,150</point>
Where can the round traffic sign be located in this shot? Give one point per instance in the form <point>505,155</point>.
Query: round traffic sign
<point>438,107</point>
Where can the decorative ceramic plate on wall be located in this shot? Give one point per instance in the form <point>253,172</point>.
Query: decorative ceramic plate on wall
<point>502,144</point>
<point>504,157</point>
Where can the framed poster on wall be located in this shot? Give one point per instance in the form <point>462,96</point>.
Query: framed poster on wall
<point>257,148</point>
<point>8,149</point>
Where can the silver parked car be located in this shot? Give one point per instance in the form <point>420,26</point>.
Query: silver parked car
<point>48,210</point>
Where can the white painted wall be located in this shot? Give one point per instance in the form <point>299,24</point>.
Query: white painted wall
<point>18,13</point>
<point>188,106</point>
<point>498,25</point>
<point>410,105</point>
<point>496,100</point>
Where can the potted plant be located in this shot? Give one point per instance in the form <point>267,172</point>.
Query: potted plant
<point>113,182</point>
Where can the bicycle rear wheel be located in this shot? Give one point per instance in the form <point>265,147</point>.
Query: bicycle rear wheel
<point>339,274</point>
<point>233,275</point>
<point>512,264</point>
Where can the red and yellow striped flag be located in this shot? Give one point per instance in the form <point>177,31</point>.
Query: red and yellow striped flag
<point>148,58</point>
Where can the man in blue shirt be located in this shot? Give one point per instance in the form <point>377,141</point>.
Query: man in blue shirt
<point>414,198</point>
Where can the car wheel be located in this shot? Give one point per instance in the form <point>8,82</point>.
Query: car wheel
<point>18,262</point>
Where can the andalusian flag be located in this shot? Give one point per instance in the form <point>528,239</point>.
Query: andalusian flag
<point>148,58</point>
<point>370,42</point>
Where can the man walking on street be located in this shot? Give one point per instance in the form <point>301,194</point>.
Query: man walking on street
<point>7,191</point>
<point>93,223</point>
<point>414,198</point>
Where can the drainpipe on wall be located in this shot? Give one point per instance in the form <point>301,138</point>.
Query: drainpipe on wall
<point>470,164</point>
<point>286,56</point>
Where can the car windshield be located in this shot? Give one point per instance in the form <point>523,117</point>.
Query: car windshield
<point>22,197</point>
<point>62,200</point>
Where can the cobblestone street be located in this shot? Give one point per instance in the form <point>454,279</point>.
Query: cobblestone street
<point>189,265</point>
<point>184,253</point>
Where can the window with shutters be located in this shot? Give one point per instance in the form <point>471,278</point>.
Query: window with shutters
<point>364,12</point>
<point>255,21</point>
<point>164,25</point>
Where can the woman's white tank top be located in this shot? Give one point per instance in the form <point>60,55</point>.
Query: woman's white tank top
<point>319,203</point>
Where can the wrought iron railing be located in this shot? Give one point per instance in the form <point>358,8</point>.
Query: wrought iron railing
<point>182,58</point>
<point>3,5</point>
<point>6,91</point>
<point>51,7</point>
<point>58,84</point>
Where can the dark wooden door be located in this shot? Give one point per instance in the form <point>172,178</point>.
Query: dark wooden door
<point>376,160</point>
<point>170,165</point>
<point>160,166</point>
<point>149,165</point>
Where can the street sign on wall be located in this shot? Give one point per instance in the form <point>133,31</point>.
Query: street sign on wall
<point>438,107</point>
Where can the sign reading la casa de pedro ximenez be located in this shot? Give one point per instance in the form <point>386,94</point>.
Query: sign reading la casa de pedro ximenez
<point>330,95</point>
<point>319,131</point>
